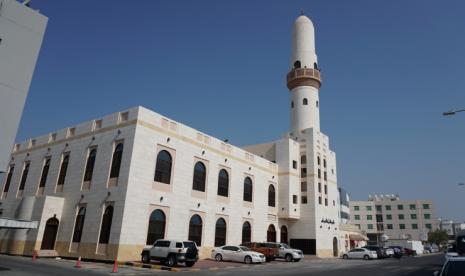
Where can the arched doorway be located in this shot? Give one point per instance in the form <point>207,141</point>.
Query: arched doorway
<point>271,234</point>
<point>284,234</point>
<point>335,251</point>
<point>50,234</point>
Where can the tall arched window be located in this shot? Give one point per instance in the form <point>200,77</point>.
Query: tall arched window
<point>303,159</point>
<point>246,232</point>
<point>43,178</point>
<point>223,183</point>
<point>24,176</point>
<point>271,196</point>
<point>248,189</point>
<point>157,222</point>
<point>63,170</point>
<point>8,179</point>
<point>200,175</point>
<point>195,230</point>
<point>271,234</point>
<point>315,66</point>
<point>292,104</point>
<point>163,167</point>
<point>283,234</point>
<point>305,101</point>
<point>106,225</point>
<point>90,165</point>
<point>297,64</point>
<point>220,232</point>
<point>79,224</point>
<point>318,160</point>
<point>116,162</point>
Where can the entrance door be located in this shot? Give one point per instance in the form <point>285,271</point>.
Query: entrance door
<point>335,251</point>
<point>50,234</point>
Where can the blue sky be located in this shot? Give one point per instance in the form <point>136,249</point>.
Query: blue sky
<point>390,69</point>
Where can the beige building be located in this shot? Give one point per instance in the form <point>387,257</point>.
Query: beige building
<point>398,219</point>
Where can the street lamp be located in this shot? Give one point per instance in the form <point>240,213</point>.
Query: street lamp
<point>452,112</point>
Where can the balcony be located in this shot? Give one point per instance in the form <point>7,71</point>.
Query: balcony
<point>303,77</point>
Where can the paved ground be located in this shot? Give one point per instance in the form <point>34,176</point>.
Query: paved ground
<point>408,266</point>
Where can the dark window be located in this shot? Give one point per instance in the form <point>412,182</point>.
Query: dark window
<point>8,179</point>
<point>304,200</point>
<point>297,64</point>
<point>317,104</point>
<point>303,186</point>
<point>63,169</point>
<point>292,104</point>
<point>157,222</point>
<point>303,159</point>
<point>271,234</point>
<point>220,232</point>
<point>223,183</point>
<point>324,163</point>
<point>90,165</point>
<point>294,199</point>
<point>200,174</point>
<point>294,164</point>
<point>106,225</point>
<point>79,224</point>
<point>24,176</point>
<point>246,232</point>
<point>325,176</point>
<point>326,202</point>
<point>271,196</point>
<point>319,187</point>
<point>305,101</point>
<point>116,162</point>
<point>303,172</point>
<point>315,66</point>
<point>319,173</point>
<point>326,189</point>
<point>195,229</point>
<point>45,170</point>
<point>319,200</point>
<point>248,189</point>
<point>284,234</point>
<point>163,167</point>
<point>318,160</point>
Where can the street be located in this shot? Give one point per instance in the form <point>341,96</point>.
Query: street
<point>409,266</point>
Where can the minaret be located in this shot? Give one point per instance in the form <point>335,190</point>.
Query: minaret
<point>304,80</point>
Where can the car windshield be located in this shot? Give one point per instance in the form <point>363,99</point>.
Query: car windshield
<point>243,248</point>
<point>285,246</point>
<point>455,268</point>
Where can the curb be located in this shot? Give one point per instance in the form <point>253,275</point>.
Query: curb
<point>150,266</point>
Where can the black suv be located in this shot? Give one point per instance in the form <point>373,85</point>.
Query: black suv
<point>381,252</point>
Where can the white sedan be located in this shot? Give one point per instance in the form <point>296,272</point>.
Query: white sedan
<point>360,253</point>
<point>237,254</point>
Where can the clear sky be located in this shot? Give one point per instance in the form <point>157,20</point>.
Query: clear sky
<point>390,69</point>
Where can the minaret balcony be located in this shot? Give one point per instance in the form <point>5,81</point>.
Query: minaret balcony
<point>303,77</point>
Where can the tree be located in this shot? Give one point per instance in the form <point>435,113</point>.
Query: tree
<point>438,236</point>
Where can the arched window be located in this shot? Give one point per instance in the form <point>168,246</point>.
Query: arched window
<point>317,104</point>
<point>220,232</point>
<point>24,176</point>
<point>292,104</point>
<point>90,165</point>
<point>50,234</point>
<point>297,64</point>
<point>318,160</point>
<point>303,159</point>
<point>315,66</point>
<point>43,178</point>
<point>284,234</point>
<point>271,196</point>
<point>106,225</point>
<point>8,179</point>
<point>248,189</point>
<point>195,230</point>
<point>157,222</point>
<point>246,232</point>
<point>200,175</point>
<point>63,169</point>
<point>271,234</point>
<point>223,183</point>
<point>79,224</point>
<point>163,167</point>
<point>305,101</point>
<point>116,162</point>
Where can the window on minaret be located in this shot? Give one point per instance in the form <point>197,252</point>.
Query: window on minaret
<point>319,200</point>
<point>325,176</point>
<point>317,104</point>
<point>318,159</point>
<point>315,66</point>
<point>303,186</point>
<point>292,104</point>
<point>303,172</point>
<point>319,173</point>
<point>326,189</point>
<point>324,163</point>
<point>305,101</point>
<point>326,202</point>
<point>319,187</point>
<point>297,64</point>
<point>294,164</point>
<point>303,159</point>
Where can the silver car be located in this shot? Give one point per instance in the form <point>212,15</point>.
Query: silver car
<point>360,253</point>
<point>237,254</point>
<point>288,253</point>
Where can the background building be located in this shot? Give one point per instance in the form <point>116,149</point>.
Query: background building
<point>21,33</point>
<point>451,227</point>
<point>398,219</point>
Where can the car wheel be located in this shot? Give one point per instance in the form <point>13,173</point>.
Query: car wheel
<point>345,256</point>
<point>366,257</point>
<point>218,257</point>
<point>171,261</point>
<point>190,264</point>
<point>288,258</point>
<point>247,260</point>
<point>145,257</point>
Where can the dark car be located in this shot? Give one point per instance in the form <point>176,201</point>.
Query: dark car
<point>379,251</point>
<point>409,252</point>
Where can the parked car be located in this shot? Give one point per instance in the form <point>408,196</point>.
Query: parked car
<point>380,252</point>
<point>452,267</point>
<point>237,254</point>
<point>360,253</point>
<point>389,252</point>
<point>288,253</point>
<point>270,250</point>
<point>409,252</point>
<point>171,252</point>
